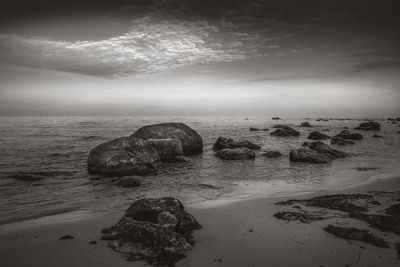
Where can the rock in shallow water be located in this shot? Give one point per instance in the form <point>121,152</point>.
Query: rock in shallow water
<point>272,154</point>
<point>123,156</point>
<point>305,124</point>
<point>170,150</point>
<point>341,142</point>
<point>285,131</point>
<point>191,141</point>
<point>128,182</point>
<point>155,229</point>
<point>235,154</point>
<point>323,148</point>
<point>369,126</point>
<point>315,135</point>
<point>345,134</point>
<point>307,155</point>
<point>223,143</point>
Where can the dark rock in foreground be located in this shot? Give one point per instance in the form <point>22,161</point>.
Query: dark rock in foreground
<point>128,182</point>
<point>158,230</point>
<point>303,217</point>
<point>315,135</point>
<point>235,154</point>
<point>307,155</point>
<point>385,223</point>
<point>369,126</point>
<point>345,134</point>
<point>254,129</point>
<point>123,156</point>
<point>305,124</point>
<point>272,154</point>
<point>323,148</point>
<point>341,142</point>
<point>285,131</point>
<point>356,234</point>
<point>393,210</point>
<point>191,141</point>
<point>223,143</point>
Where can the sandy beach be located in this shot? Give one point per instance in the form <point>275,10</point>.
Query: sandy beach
<point>241,233</point>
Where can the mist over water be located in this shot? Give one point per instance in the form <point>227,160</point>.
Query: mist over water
<point>56,148</point>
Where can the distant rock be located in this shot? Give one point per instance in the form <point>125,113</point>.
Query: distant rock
<point>323,148</point>
<point>123,156</point>
<point>341,142</point>
<point>170,150</point>
<point>285,131</point>
<point>391,119</point>
<point>128,182</point>
<point>191,141</point>
<point>272,154</point>
<point>369,126</point>
<point>223,142</point>
<point>307,155</point>
<point>158,230</point>
<point>377,136</point>
<point>253,129</point>
<point>305,124</point>
<point>276,118</point>
<point>66,237</point>
<point>235,154</point>
<point>315,135</point>
<point>345,134</point>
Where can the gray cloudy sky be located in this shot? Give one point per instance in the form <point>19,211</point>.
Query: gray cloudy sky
<point>220,58</point>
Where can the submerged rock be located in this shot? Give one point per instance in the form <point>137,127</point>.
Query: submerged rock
<point>307,155</point>
<point>235,154</point>
<point>170,150</point>
<point>305,124</point>
<point>345,134</point>
<point>341,142</point>
<point>158,230</point>
<point>128,182</point>
<point>123,156</point>
<point>223,143</point>
<point>27,177</point>
<point>272,154</point>
<point>369,126</point>
<point>323,148</point>
<point>253,129</point>
<point>315,135</point>
<point>377,136</point>
<point>351,233</point>
<point>285,131</point>
<point>191,141</point>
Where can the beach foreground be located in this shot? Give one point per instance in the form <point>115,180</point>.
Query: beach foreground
<point>241,233</point>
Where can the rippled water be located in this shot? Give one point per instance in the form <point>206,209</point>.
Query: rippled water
<point>58,147</point>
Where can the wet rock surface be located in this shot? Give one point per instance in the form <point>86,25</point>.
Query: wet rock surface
<point>191,141</point>
<point>306,155</point>
<point>345,134</point>
<point>128,182</point>
<point>272,154</point>
<point>235,154</point>
<point>323,148</point>
<point>351,233</point>
<point>378,210</point>
<point>170,150</point>
<point>315,135</point>
<point>305,124</point>
<point>223,143</point>
<point>341,142</point>
<point>254,129</point>
<point>158,230</point>
<point>369,126</point>
<point>123,156</point>
<point>284,131</point>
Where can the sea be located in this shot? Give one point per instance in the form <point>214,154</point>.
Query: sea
<point>57,148</point>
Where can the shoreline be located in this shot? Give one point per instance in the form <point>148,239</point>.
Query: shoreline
<point>239,233</point>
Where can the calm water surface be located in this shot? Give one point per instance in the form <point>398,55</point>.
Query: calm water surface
<point>59,146</point>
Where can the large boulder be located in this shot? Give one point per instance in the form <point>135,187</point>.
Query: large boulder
<point>191,141</point>
<point>315,135</point>
<point>369,126</point>
<point>155,229</point>
<point>235,154</point>
<point>345,134</point>
<point>223,142</point>
<point>307,155</point>
<point>285,131</point>
<point>323,148</point>
<point>341,142</point>
<point>170,150</point>
<point>123,156</point>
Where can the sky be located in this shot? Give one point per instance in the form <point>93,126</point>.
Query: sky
<point>288,58</point>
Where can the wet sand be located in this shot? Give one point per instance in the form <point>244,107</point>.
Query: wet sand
<point>241,233</point>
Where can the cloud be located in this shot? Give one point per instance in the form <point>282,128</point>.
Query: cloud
<point>152,44</point>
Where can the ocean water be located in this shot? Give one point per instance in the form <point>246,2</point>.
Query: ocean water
<point>58,147</point>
